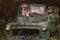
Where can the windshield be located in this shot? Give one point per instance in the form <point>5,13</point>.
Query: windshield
<point>37,8</point>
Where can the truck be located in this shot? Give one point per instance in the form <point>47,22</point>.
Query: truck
<point>34,27</point>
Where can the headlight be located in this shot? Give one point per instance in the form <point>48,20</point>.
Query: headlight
<point>8,26</point>
<point>44,27</point>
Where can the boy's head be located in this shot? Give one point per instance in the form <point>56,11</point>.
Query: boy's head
<point>25,6</point>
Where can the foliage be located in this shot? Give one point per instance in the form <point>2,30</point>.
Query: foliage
<point>53,38</point>
<point>58,30</point>
<point>56,33</point>
<point>7,14</point>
